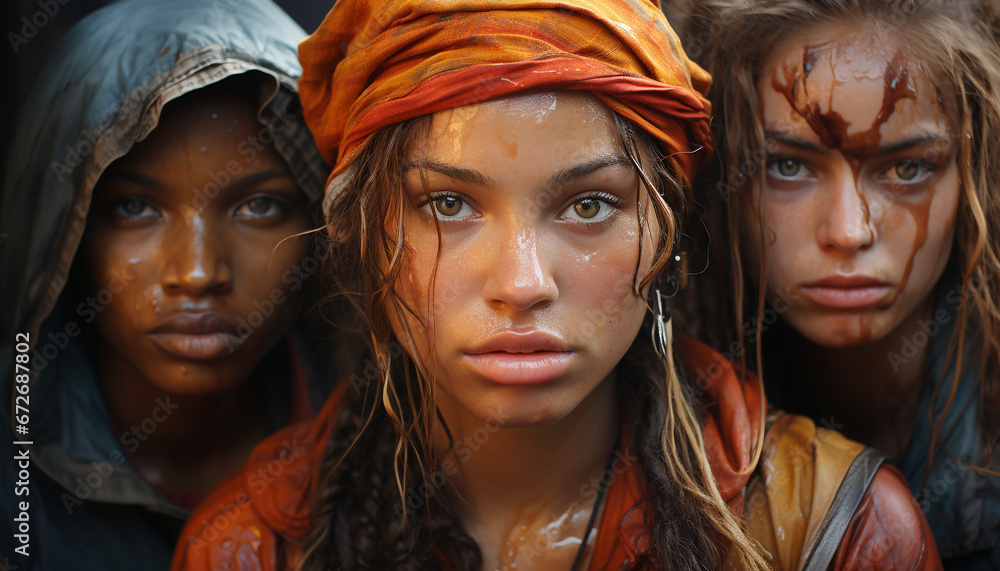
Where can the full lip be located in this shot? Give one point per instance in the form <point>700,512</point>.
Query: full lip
<point>202,336</point>
<point>847,291</point>
<point>520,358</point>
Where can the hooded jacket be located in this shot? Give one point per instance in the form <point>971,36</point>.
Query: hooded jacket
<point>102,91</point>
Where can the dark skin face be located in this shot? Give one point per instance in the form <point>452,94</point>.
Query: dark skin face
<point>192,220</point>
<point>199,263</point>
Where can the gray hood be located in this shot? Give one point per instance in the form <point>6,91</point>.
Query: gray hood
<point>101,91</point>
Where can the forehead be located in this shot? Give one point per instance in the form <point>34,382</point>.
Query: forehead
<point>849,86</point>
<point>553,126</point>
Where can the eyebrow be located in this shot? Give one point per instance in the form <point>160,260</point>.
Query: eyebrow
<point>467,176</point>
<point>247,181</point>
<point>881,150</point>
<point>135,178</point>
<point>560,178</point>
<point>566,176</point>
<point>256,178</point>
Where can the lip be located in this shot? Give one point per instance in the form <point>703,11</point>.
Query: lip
<point>206,336</point>
<point>847,291</point>
<point>513,358</point>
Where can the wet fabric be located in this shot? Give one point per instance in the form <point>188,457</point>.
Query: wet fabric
<point>962,504</point>
<point>101,92</point>
<point>246,523</point>
<point>374,63</point>
<point>794,488</point>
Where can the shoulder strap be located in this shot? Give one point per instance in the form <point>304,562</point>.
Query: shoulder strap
<point>845,503</point>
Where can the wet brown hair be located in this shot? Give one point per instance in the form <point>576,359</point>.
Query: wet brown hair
<point>381,447</point>
<point>957,44</point>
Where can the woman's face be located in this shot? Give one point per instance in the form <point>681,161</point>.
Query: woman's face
<point>532,303</point>
<point>190,220</point>
<point>862,185</point>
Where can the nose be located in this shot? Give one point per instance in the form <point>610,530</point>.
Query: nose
<point>520,278</point>
<point>845,222</point>
<point>194,259</point>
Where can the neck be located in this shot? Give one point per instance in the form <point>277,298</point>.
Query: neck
<point>868,392</point>
<point>516,483</point>
<point>182,442</point>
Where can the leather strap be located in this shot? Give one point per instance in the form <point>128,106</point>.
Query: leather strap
<point>845,503</point>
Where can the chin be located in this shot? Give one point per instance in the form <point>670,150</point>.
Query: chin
<point>842,331</point>
<point>515,410</point>
<point>192,379</point>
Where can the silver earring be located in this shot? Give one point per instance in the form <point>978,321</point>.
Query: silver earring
<point>662,331</point>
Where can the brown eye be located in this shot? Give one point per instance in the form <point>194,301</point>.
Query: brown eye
<point>133,208</point>
<point>587,208</point>
<point>788,167</point>
<point>449,205</point>
<point>907,170</point>
<point>257,207</point>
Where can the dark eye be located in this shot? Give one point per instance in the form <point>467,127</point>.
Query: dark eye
<point>788,167</point>
<point>587,208</point>
<point>133,207</point>
<point>908,170</point>
<point>258,206</point>
<point>449,205</point>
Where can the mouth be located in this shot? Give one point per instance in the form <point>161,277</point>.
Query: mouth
<point>512,358</point>
<point>847,291</point>
<point>207,336</point>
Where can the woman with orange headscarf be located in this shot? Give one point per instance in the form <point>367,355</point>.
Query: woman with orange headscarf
<point>505,181</point>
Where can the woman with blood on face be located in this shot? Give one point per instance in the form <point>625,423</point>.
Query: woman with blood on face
<point>160,169</point>
<point>856,228</point>
<point>506,177</point>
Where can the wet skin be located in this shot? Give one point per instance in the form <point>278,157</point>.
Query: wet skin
<point>862,185</point>
<point>199,256</point>
<point>532,307</point>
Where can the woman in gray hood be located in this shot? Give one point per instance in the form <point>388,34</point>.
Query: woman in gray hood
<point>153,276</point>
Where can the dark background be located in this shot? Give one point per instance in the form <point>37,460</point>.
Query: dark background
<point>19,70</point>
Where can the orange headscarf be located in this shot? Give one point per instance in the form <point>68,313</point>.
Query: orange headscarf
<point>373,63</point>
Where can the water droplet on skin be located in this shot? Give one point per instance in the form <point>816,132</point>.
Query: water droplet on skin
<point>134,261</point>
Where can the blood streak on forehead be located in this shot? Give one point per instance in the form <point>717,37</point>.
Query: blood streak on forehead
<point>795,81</point>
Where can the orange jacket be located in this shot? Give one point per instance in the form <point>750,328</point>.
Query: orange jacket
<point>245,523</point>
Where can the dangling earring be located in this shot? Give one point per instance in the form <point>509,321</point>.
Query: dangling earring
<point>663,329</point>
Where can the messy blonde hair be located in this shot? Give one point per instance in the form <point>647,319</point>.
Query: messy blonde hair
<point>382,444</point>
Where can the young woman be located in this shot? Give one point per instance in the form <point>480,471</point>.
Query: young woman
<point>505,185</point>
<point>857,210</point>
<point>149,279</point>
